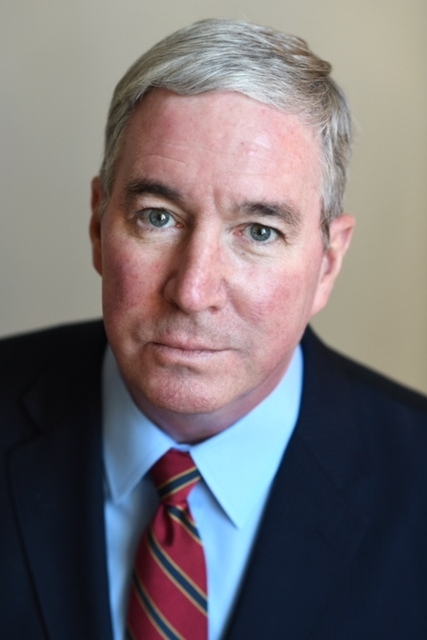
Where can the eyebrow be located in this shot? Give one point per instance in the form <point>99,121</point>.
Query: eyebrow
<point>287,212</point>
<point>151,187</point>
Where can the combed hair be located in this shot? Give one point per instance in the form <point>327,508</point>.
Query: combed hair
<point>274,68</point>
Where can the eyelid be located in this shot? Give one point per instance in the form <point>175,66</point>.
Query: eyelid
<point>276,234</point>
<point>144,212</point>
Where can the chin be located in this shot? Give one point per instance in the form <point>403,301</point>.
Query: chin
<point>179,398</point>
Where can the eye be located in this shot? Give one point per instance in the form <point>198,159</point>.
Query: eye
<point>159,218</point>
<point>261,233</point>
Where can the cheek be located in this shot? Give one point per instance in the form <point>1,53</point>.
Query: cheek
<point>280,290</point>
<point>282,301</point>
<point>128,280</point>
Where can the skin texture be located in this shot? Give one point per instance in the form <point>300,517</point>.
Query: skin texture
<point>211,255</point>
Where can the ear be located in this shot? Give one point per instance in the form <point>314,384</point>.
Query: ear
<point>340,234</point>
<point>97,198</point>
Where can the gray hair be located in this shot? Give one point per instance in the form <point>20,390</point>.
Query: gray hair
<point>264,64</point>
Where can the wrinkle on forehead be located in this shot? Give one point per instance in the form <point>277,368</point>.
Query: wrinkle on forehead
<point>223,110</point>
<point>245,157</point>
<point>224,143</point>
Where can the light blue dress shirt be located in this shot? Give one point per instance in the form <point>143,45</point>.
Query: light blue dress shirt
<point>237,466</point>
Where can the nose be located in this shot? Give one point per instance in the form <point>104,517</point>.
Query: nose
<point>198,281</point>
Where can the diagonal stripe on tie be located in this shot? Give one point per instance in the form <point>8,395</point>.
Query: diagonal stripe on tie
<point>189,588</point>
<point>168,598</point>
<point>179,515</point>
<point>155,615</point>
<point>180,481</point>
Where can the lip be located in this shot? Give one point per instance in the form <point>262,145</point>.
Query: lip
<point>185,347</point>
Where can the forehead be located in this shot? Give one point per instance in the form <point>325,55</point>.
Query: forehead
<point>220,137</point>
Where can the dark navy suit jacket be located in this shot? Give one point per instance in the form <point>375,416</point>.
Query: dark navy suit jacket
<point>341,551</point>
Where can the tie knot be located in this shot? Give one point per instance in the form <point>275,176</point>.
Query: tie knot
<point>175,474</point>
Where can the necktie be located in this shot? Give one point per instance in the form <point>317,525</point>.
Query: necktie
<point>168,594</point>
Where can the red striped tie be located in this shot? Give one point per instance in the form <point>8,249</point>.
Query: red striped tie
<point>168,597</point>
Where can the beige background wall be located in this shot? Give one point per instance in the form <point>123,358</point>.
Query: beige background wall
<point>59,62</point>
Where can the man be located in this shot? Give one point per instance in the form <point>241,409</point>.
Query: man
<point>217,227</point>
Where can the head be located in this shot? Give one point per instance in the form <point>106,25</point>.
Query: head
<point>259,62</point>
<point>216,221</point>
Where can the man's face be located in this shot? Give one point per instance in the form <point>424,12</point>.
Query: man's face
<point>211,255</point>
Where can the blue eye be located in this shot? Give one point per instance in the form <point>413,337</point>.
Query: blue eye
<point>159,217</point>
<point>261,233</point>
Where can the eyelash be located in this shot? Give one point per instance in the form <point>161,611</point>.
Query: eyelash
<point>142,218</point>
<point>144,215</point>
<point>272,231</point>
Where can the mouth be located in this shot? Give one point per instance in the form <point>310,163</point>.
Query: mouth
<point>176,351</point>
<point>184,348</point>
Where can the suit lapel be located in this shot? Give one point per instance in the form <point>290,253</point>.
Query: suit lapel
<point>57,484</point>
<point>313,523</point>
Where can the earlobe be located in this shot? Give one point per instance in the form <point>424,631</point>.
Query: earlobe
<point>97,197</point>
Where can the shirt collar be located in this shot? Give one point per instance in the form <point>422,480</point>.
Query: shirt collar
<point>238,465</point>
